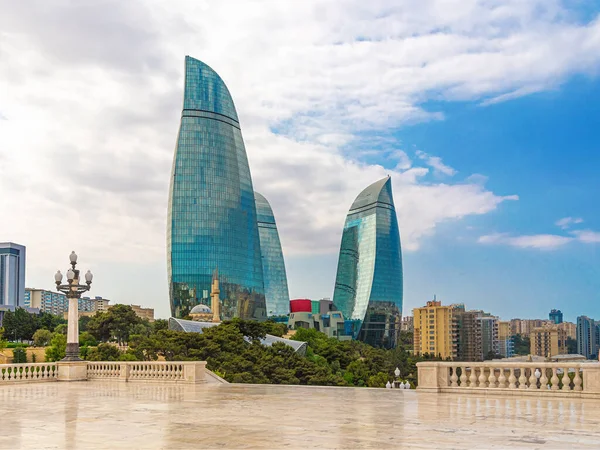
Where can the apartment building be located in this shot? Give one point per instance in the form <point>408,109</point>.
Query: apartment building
<point>434,330</point>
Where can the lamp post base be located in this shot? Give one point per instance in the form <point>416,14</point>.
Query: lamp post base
<point>72,353</point>
<point>72,370</point>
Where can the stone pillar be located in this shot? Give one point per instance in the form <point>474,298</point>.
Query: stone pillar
<point>72,353</point>
<point>194,372</point>
<point>591,378</point>
<point>432,376</point>
<point>124,371</point>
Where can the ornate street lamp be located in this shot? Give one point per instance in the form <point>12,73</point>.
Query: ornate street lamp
<point>73,291</point>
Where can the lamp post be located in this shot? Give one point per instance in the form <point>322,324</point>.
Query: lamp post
<point>73,291</point>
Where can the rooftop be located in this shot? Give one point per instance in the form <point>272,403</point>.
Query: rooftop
<point>98,414</point>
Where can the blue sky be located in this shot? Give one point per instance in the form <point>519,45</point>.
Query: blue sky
<point>544,148</point>
<point>485,114</point>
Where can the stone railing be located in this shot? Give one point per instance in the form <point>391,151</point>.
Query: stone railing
<point>13,373</point>
<point>520,378</point>
<point>103,369</point>
<point>144,371</point>
<point>181,371</point>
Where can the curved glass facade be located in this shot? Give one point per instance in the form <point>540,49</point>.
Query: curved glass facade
<point>212,215</point>
<point>368,286</point>
<point>276,288</point>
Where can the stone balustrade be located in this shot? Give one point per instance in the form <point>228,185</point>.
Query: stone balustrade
<point>13,373</point>
<point>521,378</point>
<point>179,371</point>
<point>144,371</point>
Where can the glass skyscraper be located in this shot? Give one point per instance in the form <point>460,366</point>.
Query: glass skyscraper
<point>12,274</point>
<point>276,288</point>
<point>368,286</point>
<point>212,214</point>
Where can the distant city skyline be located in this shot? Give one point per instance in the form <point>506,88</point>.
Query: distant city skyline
<point>485,117</point>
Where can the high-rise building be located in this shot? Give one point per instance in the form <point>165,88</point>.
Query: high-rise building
<point>58,304</point>
<point>434,330</point>
<point>143,313</point>
<point>212,212</point>
<point>477,335</point>
<point>556,316</point>
<point>368,285</point>
<point>505,342</point>
<point>587,337</point>
<point>489,336</point>
<point>277,296</point>
<point>12,277</point>
<point>524,327</point>
<point>570,329</point>
<point>407,324</point>
<point>548,341</point>
<point>12,274</point>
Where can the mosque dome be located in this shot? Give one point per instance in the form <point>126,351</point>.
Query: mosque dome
<point>201,309</point>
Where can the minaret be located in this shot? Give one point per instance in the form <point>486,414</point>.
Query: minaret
<point>214,297</point>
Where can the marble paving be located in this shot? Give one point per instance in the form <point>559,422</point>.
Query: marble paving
<point>113,415</point>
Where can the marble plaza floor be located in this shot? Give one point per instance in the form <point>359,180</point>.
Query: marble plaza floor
<point>113,415</point>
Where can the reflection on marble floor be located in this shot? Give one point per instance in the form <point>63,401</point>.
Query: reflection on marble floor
<point>83,415</point>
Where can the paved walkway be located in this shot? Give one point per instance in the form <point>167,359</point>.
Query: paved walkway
<point>115,415</point>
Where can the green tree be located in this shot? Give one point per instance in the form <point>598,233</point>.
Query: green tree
<point>83,323</point>
<point>117,323</point>
<point>86,339</point>
<point>19,355</point>
<point>160,324</point>
<point>42,337</point>
<point>58,347</point>
<point>49,321</point>
<point>522,344</point>
<point>98,326</point>
<point>104,352</point>
<point>19,325</point>
<point>61,329</point>
<point>3,342</point>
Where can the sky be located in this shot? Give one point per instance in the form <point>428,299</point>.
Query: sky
<point>486,114</point>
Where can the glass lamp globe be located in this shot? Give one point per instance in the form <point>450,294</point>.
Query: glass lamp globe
<point>73,257</point>
<point>397,372</point>
<point>70,275</point>
<point>89,277</point>
<point>58,277</point>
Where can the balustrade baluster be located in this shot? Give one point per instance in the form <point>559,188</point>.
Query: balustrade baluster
<point>502,379</point>
<point>512,380</point>
<point>544,379</point>
<point>532,379</point>
<point>463,377</point>
<point>566,380</point>
<point>577,380</point>
<point>492,378</point>
<point>522,379</point>
<point>482,377</point>
<point>554,379</point>
<point>473,378</point>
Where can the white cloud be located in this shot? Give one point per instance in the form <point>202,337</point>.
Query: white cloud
<point>537,241</point>
<point>436,163</point>
<point>543,241</point>
<point>566,222</point>
<point>93,94</point>
<point>587,236</point>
